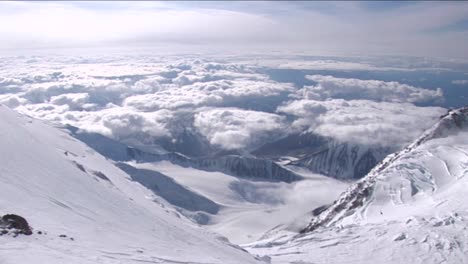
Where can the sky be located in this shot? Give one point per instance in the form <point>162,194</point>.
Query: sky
<point>238,74</point>
<point>433,29</point>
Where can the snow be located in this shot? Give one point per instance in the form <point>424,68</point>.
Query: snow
<point>249,209</point>
<point>240,197</point>
<point>422,240</point>
<point>416,210</point>
<point>411,208</point>
<point>62,187</point>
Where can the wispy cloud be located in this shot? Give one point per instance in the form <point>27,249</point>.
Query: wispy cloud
<point>333,27</point>
<point>460,82</point>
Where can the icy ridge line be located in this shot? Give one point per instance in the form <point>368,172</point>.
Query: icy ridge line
<point>357,193</point>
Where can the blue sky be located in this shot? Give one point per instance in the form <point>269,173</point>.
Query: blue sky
<point>436,29</point>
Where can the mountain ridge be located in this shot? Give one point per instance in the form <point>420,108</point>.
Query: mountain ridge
<point>358,192</point>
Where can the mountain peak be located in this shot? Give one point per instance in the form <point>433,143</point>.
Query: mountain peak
<point>416,164</point>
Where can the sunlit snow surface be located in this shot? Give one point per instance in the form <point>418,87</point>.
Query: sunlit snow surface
<point>417,213</point>
<point>147,140</point>
<point>111,221</point>
<point>248,209</point>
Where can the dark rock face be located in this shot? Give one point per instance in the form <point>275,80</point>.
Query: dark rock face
<point>292,145</point>
<point>365,164</point>
<point>230,163</point>
<point>17,223</point>
<point>325,155</point>
<point>248,167</point>
<point>343,160</point>
<point>188,142</point>
<point>319,210</point>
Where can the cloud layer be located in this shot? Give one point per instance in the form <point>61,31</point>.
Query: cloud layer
<point>353,89</point>
<point>231,105</point>
<point>237,129</point>
<point>422,29</point>
<point>362,121</point>
<point>460,82</point>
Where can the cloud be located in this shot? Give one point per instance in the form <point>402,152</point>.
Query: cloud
<point>131,127</point>
<point>362,121</point>
<point>123,124</point>
<point>142,102</point>
<point>75,101</point>
<point>11,100</point>
<point>50,24</point>
<point>325,65</point>
<point>348,88</point>
<point>460,82</point>
<point>210,85</point>
<point>230,102</point>
<point>233,128</point>
<point>423,29</point>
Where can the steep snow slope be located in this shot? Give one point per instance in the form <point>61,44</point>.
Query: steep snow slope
<point>88,210</point>
<point>236,196</point>
<point>411,208</point>
<point>433,163</point>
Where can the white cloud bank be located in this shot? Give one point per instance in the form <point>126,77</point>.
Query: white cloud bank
<point>362,121</point>
<point>332,87</point>
<point>140,100</point>
<point>236,128</point>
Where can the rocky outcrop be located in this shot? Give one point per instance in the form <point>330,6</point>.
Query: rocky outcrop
<point>14,224</point>
<point>343,160</point>
<point>248,167</point>
<point>325,155</point>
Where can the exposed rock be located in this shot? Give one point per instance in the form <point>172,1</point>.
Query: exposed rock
<point>16,223</point>
<point>325,155</point>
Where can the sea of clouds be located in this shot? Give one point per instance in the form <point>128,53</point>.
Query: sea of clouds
<point>232,104</point>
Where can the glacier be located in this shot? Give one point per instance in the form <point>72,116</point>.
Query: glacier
<point>410,208</point>
<point>91,199</point>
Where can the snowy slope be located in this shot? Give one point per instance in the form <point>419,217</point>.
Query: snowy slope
<point>411,208</point>
<point>240,197</point>
<point>240,209</point>
<point>422,171</point>
<point>64,188</point>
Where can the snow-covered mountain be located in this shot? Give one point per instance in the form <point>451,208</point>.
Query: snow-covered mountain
<point>84,209</point>
<point>411,208</point>
<point>341,160</point>
<point>241,197</point>
<point>91,199</point>
<point>243,166</point>
<point>435,161</point>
